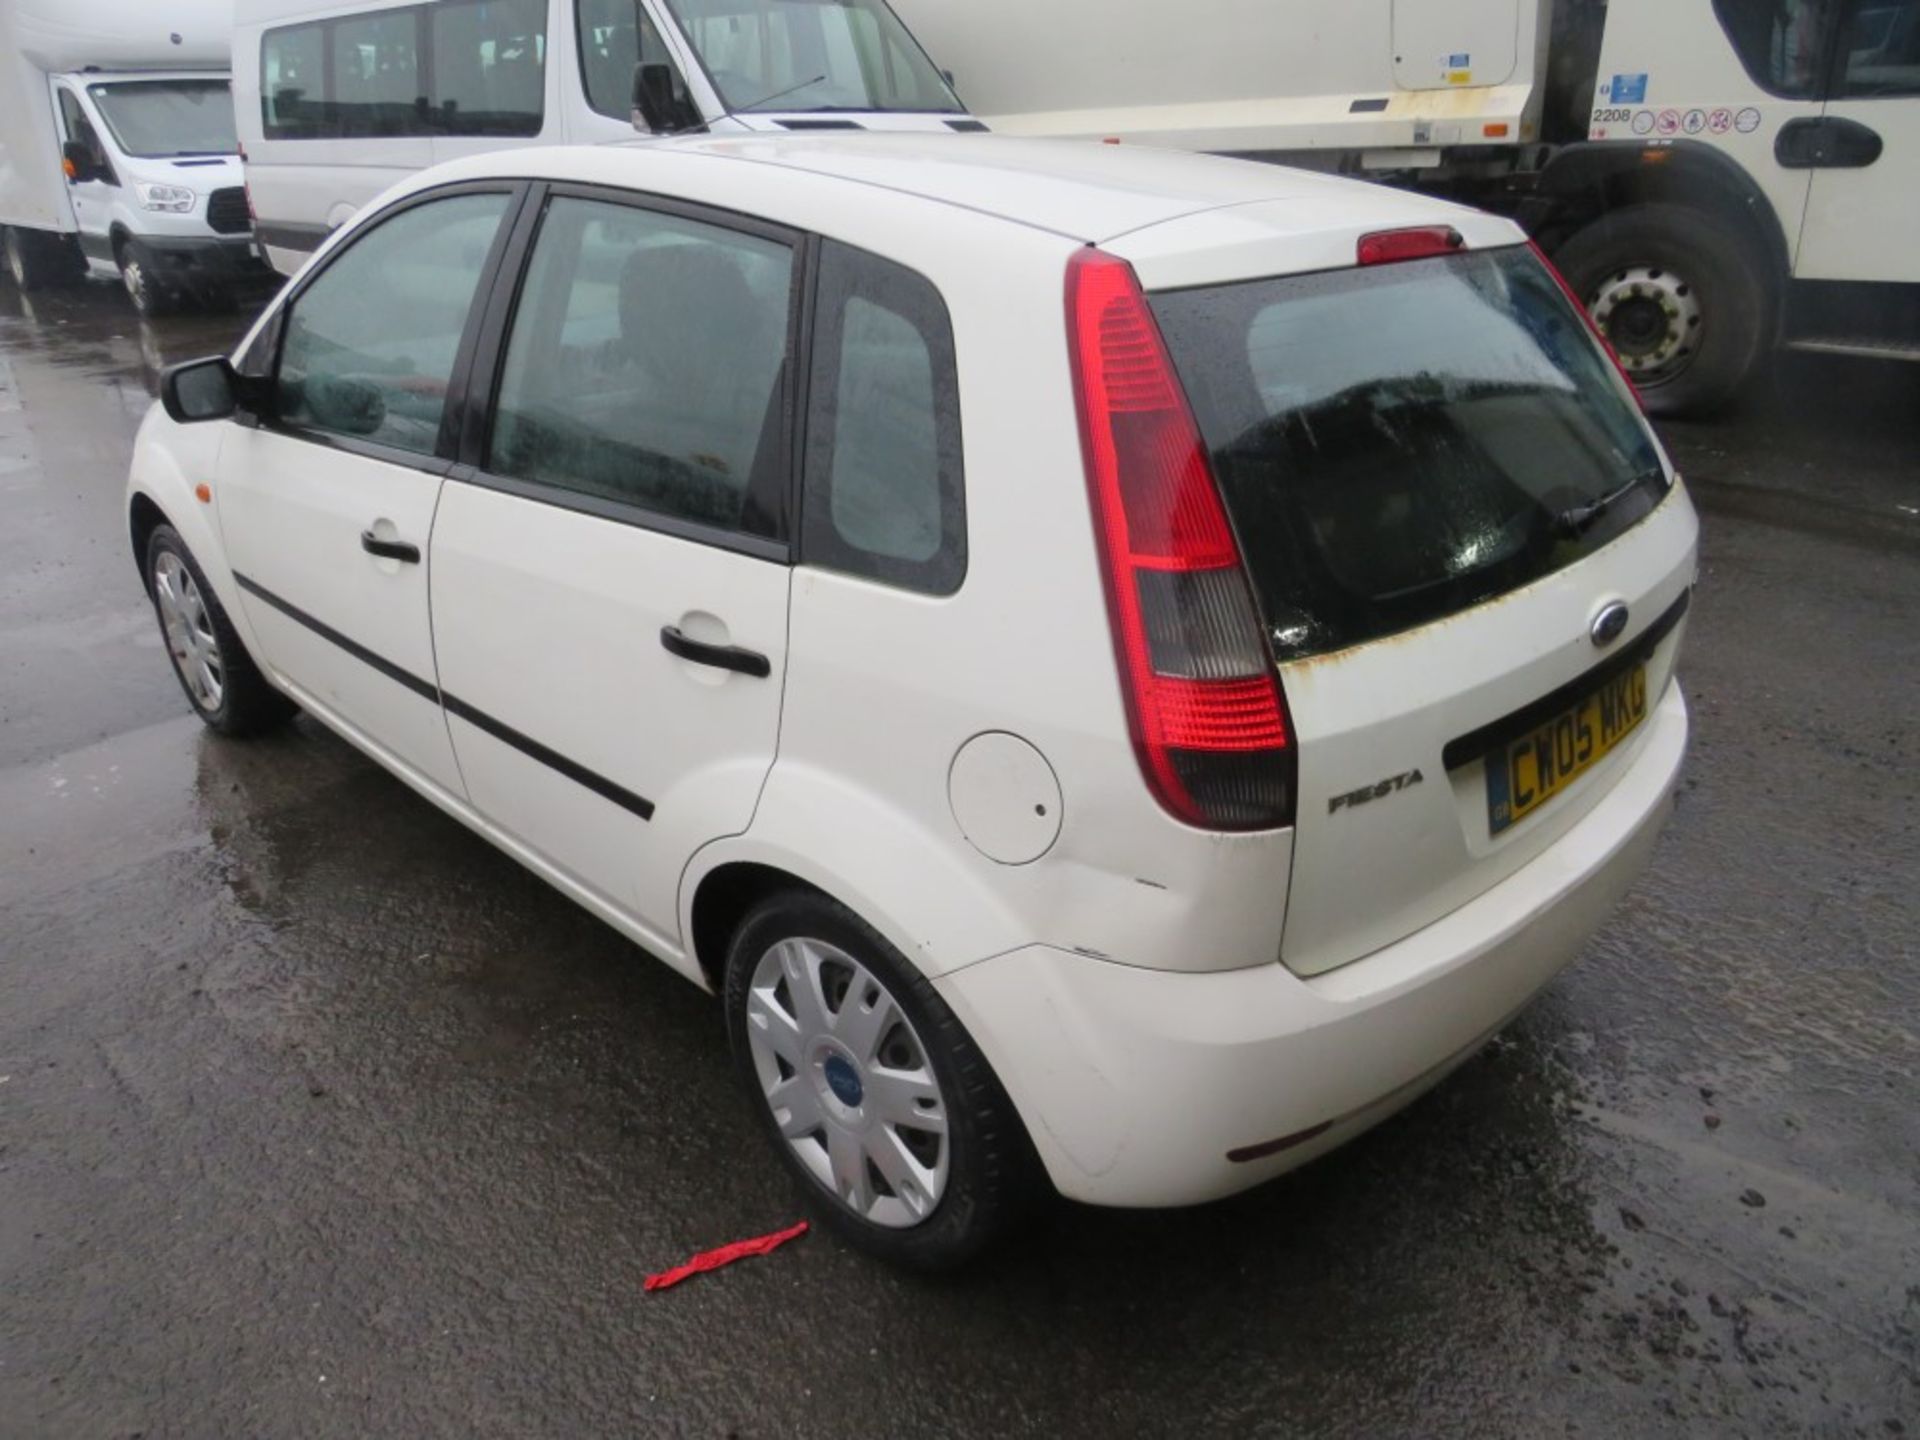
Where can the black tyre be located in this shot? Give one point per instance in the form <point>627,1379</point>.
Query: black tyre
<point>141,277</point>
<point>873,1094</point>
<point>1684,297</point>
<point>221,681</point>
<point>36,260</point>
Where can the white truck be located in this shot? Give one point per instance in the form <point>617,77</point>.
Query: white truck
<point>117,148</point>
<point>1714,177</point>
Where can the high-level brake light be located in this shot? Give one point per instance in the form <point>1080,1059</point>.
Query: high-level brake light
<point>1421,242</point>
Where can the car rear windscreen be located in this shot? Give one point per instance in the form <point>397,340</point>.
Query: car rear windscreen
<point>1399,442</point>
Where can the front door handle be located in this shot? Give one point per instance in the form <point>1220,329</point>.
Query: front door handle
<point>1832,142</point>
<point>389,549</point>
<point>721,657</point>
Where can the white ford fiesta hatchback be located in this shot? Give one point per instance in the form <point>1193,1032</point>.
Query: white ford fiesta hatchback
<point>1118,667</point>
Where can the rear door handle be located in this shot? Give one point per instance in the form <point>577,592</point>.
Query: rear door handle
<point>721,657</point>
<point>389,549</point>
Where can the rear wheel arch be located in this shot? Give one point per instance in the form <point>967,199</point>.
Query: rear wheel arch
<point>722,900</point>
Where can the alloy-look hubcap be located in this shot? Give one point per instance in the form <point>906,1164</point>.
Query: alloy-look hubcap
<point>848,1081</point>
<point>189,631</point>
<point>1652,318</point>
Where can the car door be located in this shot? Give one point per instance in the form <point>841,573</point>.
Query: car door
<point>91,195</point>
<point>327,503</point>
<point>1864,151</point>
<point>609,577</point>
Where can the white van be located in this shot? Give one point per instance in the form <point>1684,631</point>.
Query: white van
<point>338,101</point>
<point>117,148</point>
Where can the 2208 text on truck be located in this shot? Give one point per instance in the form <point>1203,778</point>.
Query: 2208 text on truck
<point>1137,745</point>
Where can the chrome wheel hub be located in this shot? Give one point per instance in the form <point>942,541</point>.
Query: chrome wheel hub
<point>189,631</point>
<point>1653,319</point>
<point>848,1081</point>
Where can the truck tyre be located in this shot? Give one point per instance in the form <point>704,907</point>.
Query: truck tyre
<point>1682,296</point>
<point>36,260</point>
<point>142,280</point>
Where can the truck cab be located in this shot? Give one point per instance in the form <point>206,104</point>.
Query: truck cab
<point>153,177</point>
<point>117,148</point>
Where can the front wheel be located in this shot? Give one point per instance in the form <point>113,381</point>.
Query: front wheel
<point>1682,297</point>
<point>874,1096</point>
<point>223,684</point>
<point>142,282</point>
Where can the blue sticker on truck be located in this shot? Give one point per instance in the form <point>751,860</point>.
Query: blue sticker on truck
<point>1459,62</point>
<point>1628,90</point>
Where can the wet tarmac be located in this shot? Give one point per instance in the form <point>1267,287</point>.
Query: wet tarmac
<point>319,1117</point>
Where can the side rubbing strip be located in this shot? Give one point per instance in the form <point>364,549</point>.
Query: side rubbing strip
<point>579,774</point>
<point>479,719</point>
<point>423,688</point>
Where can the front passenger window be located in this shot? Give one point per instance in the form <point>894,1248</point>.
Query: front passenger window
<point>370,343</point>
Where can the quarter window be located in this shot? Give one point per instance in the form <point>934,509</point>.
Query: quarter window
<point>370,344</point>
<point>1780,42</point>
<point>1880,49</point>
<point>647,367</point>
<point>885,496</point>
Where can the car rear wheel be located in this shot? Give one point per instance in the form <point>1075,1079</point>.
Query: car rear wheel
<point>874,1096</point>
<point>1680,295</point>
<point>222,683</point>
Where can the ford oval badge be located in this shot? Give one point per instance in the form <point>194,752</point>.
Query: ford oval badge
<point>1609,624</point>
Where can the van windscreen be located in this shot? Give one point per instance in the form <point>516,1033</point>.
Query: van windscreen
<point>1400,442</point>
<point>153,119</point>
<point>811,55</point>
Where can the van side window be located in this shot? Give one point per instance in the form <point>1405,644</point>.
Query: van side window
<point>489,67</point>
<point>884,493</point>
<point>460,67</point>
<point>376,75</point>
<point>615,36</point>
<point>647,367</point>
<point>80,129</point>
<point>370,344</point>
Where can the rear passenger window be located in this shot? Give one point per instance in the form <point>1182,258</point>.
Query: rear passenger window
<point>884,491</point>
<point>370,344</point>
<point>647,367</point>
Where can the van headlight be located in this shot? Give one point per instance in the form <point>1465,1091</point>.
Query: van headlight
<point>176,198</point>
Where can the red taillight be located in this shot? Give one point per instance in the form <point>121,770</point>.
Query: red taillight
<point>1587,315</point>
<point>1387,247</point>
<point>1203,697</point>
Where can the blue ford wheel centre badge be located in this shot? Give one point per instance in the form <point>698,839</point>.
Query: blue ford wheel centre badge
<point>844,1081</point>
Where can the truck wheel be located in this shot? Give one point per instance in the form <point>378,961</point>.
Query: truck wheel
<point>35,260</point>
<point>1682,296</point>
<point>137,273</point>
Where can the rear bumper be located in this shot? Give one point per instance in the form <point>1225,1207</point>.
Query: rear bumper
<point>1135,1084</point>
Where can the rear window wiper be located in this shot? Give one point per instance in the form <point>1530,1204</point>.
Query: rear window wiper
<point>1576,520</point>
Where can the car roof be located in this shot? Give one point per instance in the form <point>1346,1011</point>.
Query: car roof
<point>1079,189</point>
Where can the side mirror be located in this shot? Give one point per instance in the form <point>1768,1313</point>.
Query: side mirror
<point>76,160</point>
<point>200,390</point>
<point>659,101</point>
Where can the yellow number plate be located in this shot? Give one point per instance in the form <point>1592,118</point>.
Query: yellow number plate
<point>1526,773</point>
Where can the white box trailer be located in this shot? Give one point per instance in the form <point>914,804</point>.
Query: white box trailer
<point>1715,177</point>
<point>117,148</point>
